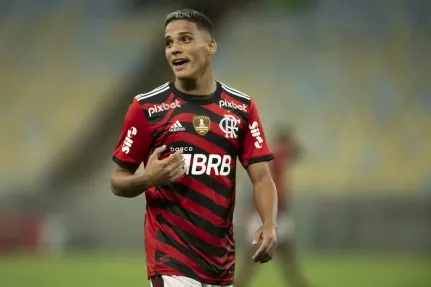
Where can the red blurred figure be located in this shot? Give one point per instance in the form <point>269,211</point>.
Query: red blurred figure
<point>286,151</point>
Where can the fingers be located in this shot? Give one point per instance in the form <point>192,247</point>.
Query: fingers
<point>257,236</point>
<point>270,250</point>
<point>176,170</point>
<point>174,157</point>
<point>179,174</point>
<point>256,239</point>
<point>173,166</point>
<point>177,164</point>
<point>167,169</point>
<point>266,249</point>
<point>158,151</point>
<point>261,250</point>
<point>265,259</point>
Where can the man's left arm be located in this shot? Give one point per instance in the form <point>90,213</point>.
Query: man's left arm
<point>254,155</point>
<point>264,192</point>
<point>265,198</point>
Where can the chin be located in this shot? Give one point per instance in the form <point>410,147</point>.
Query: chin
<point>184,75</point>
<point>184,78</point>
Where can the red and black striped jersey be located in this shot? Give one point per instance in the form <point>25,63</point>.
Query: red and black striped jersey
<point>188,223</point>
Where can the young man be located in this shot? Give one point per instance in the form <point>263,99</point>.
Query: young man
<point>286,153</point>
<point>188,134</point>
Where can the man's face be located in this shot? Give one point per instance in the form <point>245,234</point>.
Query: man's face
<point>187,48</point>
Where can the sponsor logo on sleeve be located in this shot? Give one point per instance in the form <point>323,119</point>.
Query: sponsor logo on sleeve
<point>255,133</point>
<point>128,141</point>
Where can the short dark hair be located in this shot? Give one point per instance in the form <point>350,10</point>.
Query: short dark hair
<point>191,15</point>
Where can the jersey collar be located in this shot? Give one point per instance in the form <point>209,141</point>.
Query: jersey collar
<point>198,99</point>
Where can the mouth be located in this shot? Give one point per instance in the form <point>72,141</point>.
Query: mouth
<point>180,62</point>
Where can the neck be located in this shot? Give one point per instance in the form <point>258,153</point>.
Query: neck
<point>202,85</point>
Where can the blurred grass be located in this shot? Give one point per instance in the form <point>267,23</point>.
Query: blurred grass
<point>108,270</point>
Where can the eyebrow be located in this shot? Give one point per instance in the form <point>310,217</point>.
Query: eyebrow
<point>181,34</point>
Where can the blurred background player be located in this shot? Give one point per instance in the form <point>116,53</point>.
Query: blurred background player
<point>286,151</point>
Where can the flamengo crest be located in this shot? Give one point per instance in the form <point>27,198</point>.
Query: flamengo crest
<point>229,126</point>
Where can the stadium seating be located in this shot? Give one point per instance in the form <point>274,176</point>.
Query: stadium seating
<point>355,88</point>
<point>344,87</point>
<point>58,68</point>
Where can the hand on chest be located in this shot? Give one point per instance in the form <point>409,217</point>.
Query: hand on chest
<point>209,140</point>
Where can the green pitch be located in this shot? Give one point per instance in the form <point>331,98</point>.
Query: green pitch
<point>323,270</point>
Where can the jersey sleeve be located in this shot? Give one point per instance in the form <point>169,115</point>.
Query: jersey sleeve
<point>135,139</point>
<point>253,147</point>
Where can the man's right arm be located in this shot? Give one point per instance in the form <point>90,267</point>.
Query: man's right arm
<point>132,148</point>
<point>125,183</point>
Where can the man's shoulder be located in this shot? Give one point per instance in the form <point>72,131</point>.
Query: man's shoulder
<point>154,95</point>
<point>235,93</point>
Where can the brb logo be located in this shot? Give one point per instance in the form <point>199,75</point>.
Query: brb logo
<point>127,144</point>
<point>255,132</point>
<point>232,105</point>
<point>198,164</point>
<point>163,107</point>
<point>229,126</point>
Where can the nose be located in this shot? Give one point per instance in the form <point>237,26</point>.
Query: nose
<point>176,49</point>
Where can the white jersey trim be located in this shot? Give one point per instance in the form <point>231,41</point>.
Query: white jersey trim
<point>235,92</point>
<point>154,92</point>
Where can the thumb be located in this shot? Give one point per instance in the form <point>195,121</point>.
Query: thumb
<point>257,236</point>
<point>158,151</point>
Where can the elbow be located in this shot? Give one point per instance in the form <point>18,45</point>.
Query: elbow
<point>123,184</point>
<point>115,189</point>
<point>121,192</point>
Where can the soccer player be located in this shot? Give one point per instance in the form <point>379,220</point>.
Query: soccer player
<point>286,152</point>
<point>188,134</point>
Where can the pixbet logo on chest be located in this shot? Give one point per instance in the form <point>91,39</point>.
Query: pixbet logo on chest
<point>163,107</point>
<point>232,105</point>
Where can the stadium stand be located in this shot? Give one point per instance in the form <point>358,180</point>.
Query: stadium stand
<point>361,129</point>
<point>58,66</point>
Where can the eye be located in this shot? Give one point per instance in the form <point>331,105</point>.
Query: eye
<point>186,39</point>
<point>168,43</point>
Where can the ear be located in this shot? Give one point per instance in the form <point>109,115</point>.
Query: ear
<point>212,45</point>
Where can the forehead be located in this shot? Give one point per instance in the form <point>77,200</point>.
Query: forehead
<point>180,26</point>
